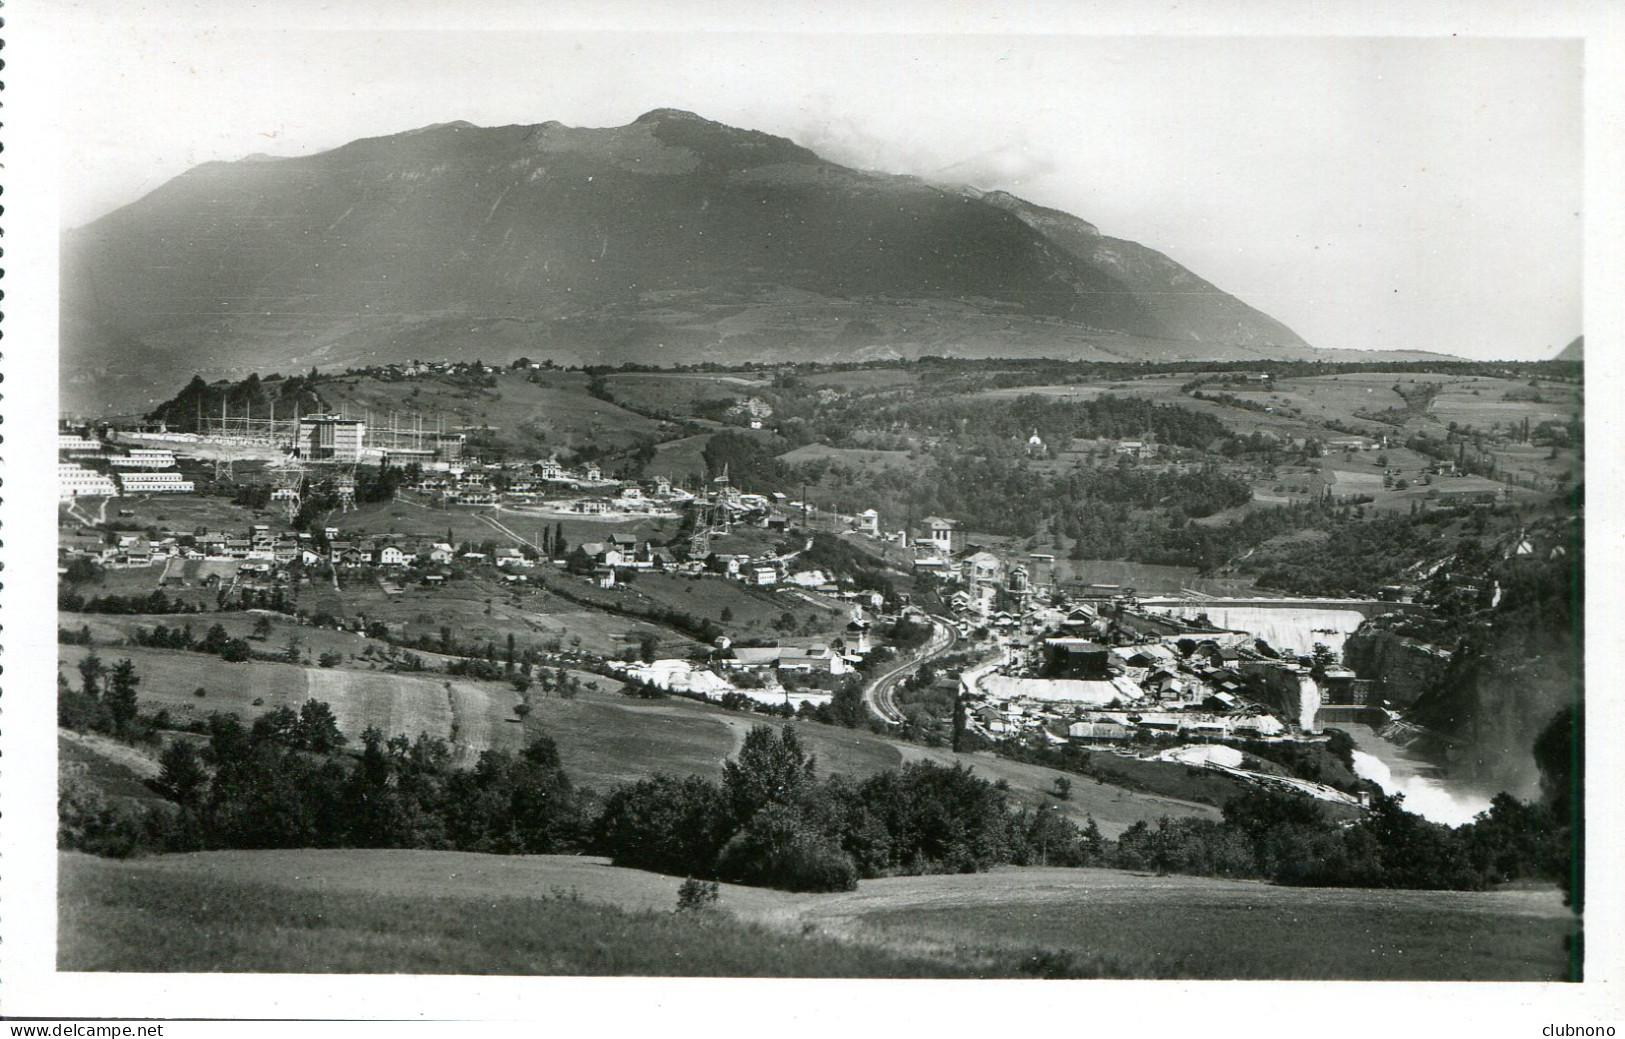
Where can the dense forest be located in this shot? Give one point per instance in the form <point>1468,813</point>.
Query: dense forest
<point>199,401</point>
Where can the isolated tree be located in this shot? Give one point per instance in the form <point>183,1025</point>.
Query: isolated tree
<point>318,729</point>
<point>648,646</point>
<point>262,627</point>
<point>90,676</point>
<point>121,701</point>
<point>767,771</point>
<point>181,776</point>
<point>278,725</point>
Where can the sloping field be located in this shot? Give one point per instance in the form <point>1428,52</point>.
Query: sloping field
<point>604,741</point>
<point>1143,926</point>
<point>395,704</point>
<point>113,768</point>
<point>856,457</point>
<point>445,912</point>
<point>558,404</point>
<point>107,628</point>
<point>680,392</point>
<point>751,611</point>
<point>607,739</point>
<point>478,610</point>
<point>224,915</point>
<point>679,460</point>
<point>863,380</point>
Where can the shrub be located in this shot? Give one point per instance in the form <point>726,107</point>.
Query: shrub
<point>698,896</point>
<point>665,824</point>
<point>88,821</point>
<point>777,849</point>
<point>82,713</point>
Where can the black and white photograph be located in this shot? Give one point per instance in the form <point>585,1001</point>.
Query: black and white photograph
<point>641,494</point>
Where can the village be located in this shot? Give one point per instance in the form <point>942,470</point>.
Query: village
<point>1033,661</point>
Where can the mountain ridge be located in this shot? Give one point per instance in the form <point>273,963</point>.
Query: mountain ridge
<point>671,239</point>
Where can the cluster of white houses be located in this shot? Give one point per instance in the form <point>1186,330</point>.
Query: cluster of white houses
<point>89,468</point>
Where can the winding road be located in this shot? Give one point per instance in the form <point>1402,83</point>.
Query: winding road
<point>877,695</point>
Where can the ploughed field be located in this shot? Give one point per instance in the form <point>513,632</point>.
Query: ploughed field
<point>456,912</point>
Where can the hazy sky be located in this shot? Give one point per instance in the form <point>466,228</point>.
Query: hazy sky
<point>1369,192</point>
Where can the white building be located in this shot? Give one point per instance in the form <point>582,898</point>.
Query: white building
<point>944,534</point>
<point>331,438</point>
<point>145,458</point>
<point>75,481</point>
<point>71,445</point>
<point>155,483</point>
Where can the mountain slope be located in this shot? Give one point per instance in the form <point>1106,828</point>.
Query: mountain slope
<point>1575,351</point>
<point>672,239</point>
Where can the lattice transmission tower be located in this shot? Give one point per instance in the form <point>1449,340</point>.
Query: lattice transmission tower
<point>289,478</point>
<point>344,487</point>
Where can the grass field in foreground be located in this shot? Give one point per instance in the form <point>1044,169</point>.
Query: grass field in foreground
<point>1200,927</point>
<point>452,912</point>
<point>113,916</point>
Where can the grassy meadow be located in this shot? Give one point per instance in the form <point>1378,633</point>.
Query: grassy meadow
<point>451,912</point>
<point>469,715</point>
<point>122,916</point>
<point>1134,925</point>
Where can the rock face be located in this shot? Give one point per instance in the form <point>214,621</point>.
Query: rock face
<point>1400,668</point>
<point>673,239</point>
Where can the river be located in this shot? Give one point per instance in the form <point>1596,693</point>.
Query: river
<point>1428,791</point>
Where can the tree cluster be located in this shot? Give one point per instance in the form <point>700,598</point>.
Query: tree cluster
<point>772,821</point>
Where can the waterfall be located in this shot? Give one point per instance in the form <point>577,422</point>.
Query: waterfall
<point>1426,797</point>
<point>1308,703</point>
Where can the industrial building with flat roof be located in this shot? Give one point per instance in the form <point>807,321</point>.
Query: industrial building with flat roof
<point>329,438</point>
